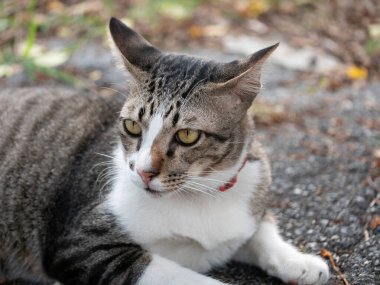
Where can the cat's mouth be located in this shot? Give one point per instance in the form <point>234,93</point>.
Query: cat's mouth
<point>154,192</point>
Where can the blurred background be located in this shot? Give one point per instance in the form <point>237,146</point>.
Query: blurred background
<point>336,42</point>
<point>319,110</point>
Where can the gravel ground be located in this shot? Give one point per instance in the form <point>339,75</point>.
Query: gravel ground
<point>321,191</point>
<point>324,190</point>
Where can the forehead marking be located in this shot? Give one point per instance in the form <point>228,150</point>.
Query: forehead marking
<point>169,111</point>
<point>175,119</point>
<point>151,108</point>
<point>199,77</point>
<point>152,87</point>
<point>155,127</point>
<point>141,113</point>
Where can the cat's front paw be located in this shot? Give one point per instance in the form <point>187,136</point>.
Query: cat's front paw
<point>301,269</point>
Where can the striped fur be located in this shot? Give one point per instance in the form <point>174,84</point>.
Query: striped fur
<point>54,224</point>
<point>50,224</point>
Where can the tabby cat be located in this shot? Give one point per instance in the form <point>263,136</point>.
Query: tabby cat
<point>188,180</point>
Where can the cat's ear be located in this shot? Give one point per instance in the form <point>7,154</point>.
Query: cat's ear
<point>138,54</point>
<point>238,83</point>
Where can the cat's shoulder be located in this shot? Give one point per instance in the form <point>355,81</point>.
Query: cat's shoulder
<point>25,100</point>
<point>257,153</point>
<point>51,92</point>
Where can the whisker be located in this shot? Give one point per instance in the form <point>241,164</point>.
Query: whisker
<point>115,90</point>
<point>202,185</point>
<point>200,191</point>
<point>103,162</point>
<point>205,171</point>
<point>117,84</point>
<point>209,179</point>
<point>107,183</point>
<point>181,192</point>
<point>105,155</point>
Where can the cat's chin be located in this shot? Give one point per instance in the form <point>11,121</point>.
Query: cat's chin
<point>154,193</point>
<point>149,190</point>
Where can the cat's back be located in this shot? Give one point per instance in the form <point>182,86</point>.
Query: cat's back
<point>45,131</point>
<point>43,126</point>
<point>49,140</point>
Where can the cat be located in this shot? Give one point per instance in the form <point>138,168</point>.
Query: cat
<point>188,181</point>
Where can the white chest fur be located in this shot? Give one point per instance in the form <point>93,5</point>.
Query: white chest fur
<point>197,232</point>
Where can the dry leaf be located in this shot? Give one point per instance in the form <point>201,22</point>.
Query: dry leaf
<point>357,73</point>
<point>375,222</point>
<point>328,255</point>
<point>195,31</point>
<point>7,70</point>
<point>374,31</point>
<point>55,6</point>
<point>376,153</point>
<point>87,7</point>
<point>252,8</point>
<point>52,58</point>
<point>95,75</point>
<point>208,31</point>
<point>214,31</point>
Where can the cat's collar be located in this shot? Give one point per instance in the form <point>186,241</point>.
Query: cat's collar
<point>232,182</point>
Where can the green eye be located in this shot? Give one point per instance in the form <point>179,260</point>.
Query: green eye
<point>132,128</point>
<point>187,137</point>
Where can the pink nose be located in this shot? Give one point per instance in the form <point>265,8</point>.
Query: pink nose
<point>147,176</point>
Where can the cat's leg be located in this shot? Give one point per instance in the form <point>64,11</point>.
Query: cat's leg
<point>99,252</point>
<point>162,271</point>
<point>267,250</point>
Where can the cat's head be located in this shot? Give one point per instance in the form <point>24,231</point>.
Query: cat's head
<point>185,118</point>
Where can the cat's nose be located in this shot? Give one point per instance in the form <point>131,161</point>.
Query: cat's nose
<point>147,176</point>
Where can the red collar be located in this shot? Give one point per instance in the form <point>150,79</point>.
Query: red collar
<point>232,182</point>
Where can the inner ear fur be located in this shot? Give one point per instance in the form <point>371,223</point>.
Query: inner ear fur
<point>241,85</point>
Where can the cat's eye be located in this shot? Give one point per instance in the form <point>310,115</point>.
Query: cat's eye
<point>132,128</point>
<point>187,137</point>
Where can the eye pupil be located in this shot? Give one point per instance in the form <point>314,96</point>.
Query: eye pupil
<point>132,128</point>
<point>187,137</point>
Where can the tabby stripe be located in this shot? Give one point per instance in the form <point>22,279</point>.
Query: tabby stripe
<point>170,152</point>
<point>98,269</point>
<point>29,130</point>
<point>75,256</point>
<point>108,246</point>
<point>190,71</point>
<point>130,277</point>
<point>173,74</point>
<point>6,154</point>
<point>156,67</point>
<point>223,156</point>
<point>71,243</point>
<point>169,111</point>
<point>200,76</point>
<point>175,119</point>
<point>151,108</point>
<point>139,141</point>
<point>19,121</point>
<point>152,87</point>
<point>217,137</point>
<point>141,113</point>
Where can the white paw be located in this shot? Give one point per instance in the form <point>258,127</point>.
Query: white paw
<point>162,271</point>
<point>297,268</point>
